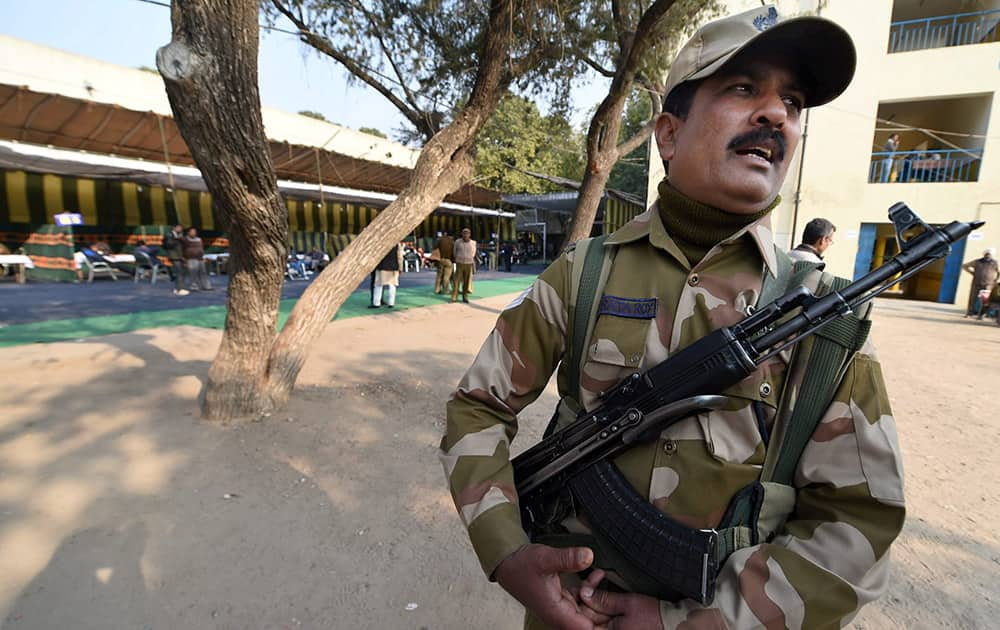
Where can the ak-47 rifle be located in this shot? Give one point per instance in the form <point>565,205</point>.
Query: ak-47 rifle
<point>578,457</point>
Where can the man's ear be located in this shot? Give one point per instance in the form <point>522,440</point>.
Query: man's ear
<point>667,126</point>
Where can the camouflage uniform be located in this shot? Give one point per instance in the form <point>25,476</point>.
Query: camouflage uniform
<point>830,557</point>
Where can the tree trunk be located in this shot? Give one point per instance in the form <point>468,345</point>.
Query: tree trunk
<point>603,150</point>
<point>210,72</point>
<point>602,155</point>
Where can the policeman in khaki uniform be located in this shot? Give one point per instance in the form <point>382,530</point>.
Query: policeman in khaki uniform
<point>694,262</point>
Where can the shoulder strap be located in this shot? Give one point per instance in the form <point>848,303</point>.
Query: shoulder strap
<point>586,280</point>
<point>790,275</point>
<point>831,350</point>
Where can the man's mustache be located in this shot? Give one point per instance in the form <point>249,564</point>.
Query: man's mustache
<point>761,135</point>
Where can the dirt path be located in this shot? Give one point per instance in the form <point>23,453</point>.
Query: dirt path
<point>118,509</point>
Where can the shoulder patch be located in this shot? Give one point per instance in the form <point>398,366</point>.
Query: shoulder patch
<point>635,308</point>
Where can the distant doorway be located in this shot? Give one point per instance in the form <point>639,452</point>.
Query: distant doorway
<point>936,283</point>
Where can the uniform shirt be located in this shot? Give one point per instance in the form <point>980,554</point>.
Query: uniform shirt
<point>828,559</point>
<point>446,247</point>
<point>465,252</point>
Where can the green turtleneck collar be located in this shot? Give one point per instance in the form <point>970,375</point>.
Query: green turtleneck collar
<point>697,227</point>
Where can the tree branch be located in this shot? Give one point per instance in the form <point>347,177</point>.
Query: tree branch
<point>624,35</point>
<point>638,138</point>
<point>552,179</point>
<point>415,116</point>
<point>593,64</point>
<point>410,97</point>
<point>491,78</point>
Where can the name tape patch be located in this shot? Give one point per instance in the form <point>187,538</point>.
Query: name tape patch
<point>636,308</point>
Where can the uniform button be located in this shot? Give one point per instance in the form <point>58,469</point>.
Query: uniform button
<point>636,358</point>
<point>765,389</point>
<point>693,279</point>
<point>669,447</point>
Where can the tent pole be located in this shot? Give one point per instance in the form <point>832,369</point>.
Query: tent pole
<point>170,173</point>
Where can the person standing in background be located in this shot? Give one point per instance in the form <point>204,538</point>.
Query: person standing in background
<point>817,237</point>
<point>891,146</point>
<point>194,258</point>
<point>387,277</point>
<point>465,262</point>
<point>446,250</point>
<point>173,245</point>
<point>984,277</point>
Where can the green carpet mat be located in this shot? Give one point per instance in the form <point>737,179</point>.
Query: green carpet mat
<point>215,316</point>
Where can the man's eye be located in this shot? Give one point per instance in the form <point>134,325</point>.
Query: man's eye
<point>794,102</point>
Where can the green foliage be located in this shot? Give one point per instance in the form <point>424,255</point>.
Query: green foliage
<point>312,114</point>
<point>372,131</point>
<point>518,135</point>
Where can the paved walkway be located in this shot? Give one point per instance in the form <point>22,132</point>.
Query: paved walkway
<point>41,312</point>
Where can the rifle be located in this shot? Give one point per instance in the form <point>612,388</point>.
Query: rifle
<point>578,457</point>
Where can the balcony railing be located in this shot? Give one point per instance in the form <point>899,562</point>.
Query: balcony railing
<point>900,167</point>
<point>960,29</point>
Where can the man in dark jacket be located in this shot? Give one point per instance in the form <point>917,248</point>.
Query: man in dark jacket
<point>984,277</point>
<point>387,277</point>
<point>194,258</point>
<point>173,246</point>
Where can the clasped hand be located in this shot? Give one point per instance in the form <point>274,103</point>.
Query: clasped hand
<point>531,575</point>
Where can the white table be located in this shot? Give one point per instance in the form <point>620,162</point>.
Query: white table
<point>19,262</point>
<point>120,258</point>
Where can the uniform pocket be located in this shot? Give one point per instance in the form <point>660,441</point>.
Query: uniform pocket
<point>616,349</point>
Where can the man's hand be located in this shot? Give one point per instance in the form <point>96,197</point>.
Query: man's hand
<point>531,575</point>
<point>618,611</point>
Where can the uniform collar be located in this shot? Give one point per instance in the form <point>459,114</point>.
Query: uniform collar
<point>648,225</point>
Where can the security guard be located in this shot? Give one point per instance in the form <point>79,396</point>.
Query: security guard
<point>694,262</point>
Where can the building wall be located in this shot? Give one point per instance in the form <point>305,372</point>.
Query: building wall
<point>838,151</point>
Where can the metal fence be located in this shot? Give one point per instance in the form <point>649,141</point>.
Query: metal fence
<point>960,29</point>
<point>900,167</point>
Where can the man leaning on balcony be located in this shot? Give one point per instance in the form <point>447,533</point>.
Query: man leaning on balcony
<point>891,146</point>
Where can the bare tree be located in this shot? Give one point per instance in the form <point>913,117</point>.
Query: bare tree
<point>637,58</point>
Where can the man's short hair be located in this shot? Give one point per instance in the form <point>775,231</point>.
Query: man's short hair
<point>678,101</point>
<point>817,229</point>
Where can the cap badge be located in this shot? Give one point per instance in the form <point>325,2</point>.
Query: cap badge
<point>764,22</point>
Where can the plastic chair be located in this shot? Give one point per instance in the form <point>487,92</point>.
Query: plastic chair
<point>144,263</point>
<point>95,264</point>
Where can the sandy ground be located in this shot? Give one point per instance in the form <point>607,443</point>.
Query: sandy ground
<point>120,509</point>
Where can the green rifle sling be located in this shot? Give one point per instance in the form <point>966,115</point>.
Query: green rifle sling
<point>590,277</point>
<point>833,347</point>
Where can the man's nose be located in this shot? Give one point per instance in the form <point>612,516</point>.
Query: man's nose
<point>771,110</point>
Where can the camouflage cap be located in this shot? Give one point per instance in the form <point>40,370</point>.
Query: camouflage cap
<point>820,51</point>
